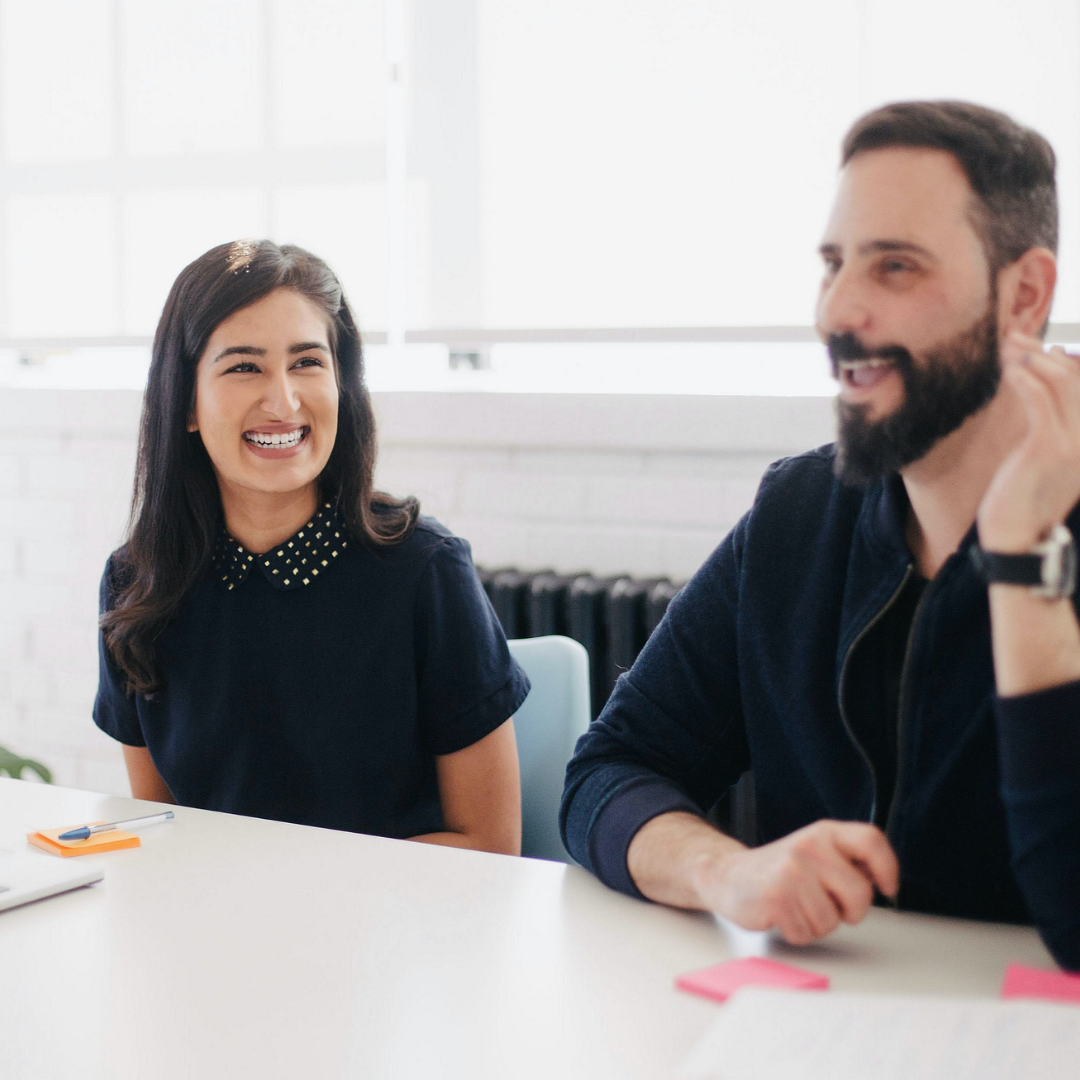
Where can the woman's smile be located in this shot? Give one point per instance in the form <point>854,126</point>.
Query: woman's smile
<point>272,441</point>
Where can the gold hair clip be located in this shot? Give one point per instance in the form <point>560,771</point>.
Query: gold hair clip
<point>241,252</point>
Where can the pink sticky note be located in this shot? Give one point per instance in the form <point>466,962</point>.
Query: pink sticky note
<point>722,980</point>
<point>1029,982</point>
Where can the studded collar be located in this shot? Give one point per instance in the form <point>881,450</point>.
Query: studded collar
<point>294,563</point>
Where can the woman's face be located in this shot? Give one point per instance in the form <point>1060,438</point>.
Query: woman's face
<point>266,396</point>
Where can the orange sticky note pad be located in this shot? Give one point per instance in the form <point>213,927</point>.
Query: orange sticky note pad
<point>720,981</point>
<point>1028,982</point>
<point>47,840</point>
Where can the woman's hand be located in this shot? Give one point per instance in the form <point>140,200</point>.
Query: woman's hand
<point>480,789</point>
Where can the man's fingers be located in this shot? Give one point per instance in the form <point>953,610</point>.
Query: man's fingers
<point>866,847</point>
<point>809,914</point>
<point>822,911</point>
<point>850,890</point>
<point>794,926</point>
<point>1067,374</point>
<point>1055,369</point>
<point>1053,414</point>
<point>1038,398</point>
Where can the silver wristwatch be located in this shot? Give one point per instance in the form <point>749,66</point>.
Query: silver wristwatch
<point>1048,570</point>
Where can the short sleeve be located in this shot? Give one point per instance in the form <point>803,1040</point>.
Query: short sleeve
<point>468,684</point>
<point>115,710</point>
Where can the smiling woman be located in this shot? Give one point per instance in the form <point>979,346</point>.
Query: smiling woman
<point>279,639</point>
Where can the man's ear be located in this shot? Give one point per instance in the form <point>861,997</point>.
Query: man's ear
<point>1026,292</point>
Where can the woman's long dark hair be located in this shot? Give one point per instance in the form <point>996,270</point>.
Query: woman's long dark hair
<point>176,514</point>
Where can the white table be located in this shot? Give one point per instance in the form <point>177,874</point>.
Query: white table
<point>233,947</point>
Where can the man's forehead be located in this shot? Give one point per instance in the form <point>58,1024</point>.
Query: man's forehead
<point>898,196</point>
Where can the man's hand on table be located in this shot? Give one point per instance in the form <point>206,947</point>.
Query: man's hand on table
<point>803,885</point>
<point>806,884</point>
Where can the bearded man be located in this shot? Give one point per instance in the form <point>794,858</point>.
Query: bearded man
<point>889,637</point>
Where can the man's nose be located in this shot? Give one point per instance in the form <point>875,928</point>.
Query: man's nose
<point>843,306</point>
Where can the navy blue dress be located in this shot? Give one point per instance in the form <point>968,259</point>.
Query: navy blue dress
<point>318,682</point>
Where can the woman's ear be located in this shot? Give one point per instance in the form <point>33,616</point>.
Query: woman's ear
<point>1026,291</point>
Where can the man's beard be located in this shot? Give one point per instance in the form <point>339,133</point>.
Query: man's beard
<point>951,383</point>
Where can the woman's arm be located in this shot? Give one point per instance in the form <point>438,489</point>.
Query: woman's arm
<point>146,782</point>
<point>480,789</point>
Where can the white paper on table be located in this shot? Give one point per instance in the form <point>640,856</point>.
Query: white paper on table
<point>821,1035</point>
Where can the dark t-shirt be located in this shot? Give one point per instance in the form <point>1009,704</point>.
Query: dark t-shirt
<point>321,693</point>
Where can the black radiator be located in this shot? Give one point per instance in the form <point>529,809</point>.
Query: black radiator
<point>612,617</point>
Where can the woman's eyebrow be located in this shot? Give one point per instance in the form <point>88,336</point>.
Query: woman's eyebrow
<point>239,350</point>
<point>253,350</point>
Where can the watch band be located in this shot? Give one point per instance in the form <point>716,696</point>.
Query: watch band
<point>1048,570</point>
<point>1023,569</point>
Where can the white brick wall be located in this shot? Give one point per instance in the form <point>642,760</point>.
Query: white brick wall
<point>612,484</point>
<point>66,460</point>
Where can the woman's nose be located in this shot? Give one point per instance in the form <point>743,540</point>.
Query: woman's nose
<point>281,396</point>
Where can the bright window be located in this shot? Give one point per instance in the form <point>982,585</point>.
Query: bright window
<point>138,133</point>
<point>643,163</point>
<point>572,171</point>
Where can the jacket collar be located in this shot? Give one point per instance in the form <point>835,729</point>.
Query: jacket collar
<point>883,520</point>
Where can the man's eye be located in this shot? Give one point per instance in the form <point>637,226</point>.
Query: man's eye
<point>896,267</point>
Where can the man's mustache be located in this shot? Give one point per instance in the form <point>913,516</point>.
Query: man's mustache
<point>848,347</point>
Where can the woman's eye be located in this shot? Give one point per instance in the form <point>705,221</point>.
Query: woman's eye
<point>243,368</point>
<point>309,361</point>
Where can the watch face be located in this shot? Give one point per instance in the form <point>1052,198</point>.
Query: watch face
<point>1058,565</point>
<point>1068,569</point>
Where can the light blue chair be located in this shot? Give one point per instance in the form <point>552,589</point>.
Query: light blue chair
<point>551,719</point>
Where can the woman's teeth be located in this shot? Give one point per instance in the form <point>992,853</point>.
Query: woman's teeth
<point>291,438</point>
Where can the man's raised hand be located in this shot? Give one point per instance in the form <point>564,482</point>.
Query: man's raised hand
<point>1039,482</point>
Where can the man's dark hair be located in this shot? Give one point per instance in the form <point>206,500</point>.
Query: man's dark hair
<point>1010,167</point>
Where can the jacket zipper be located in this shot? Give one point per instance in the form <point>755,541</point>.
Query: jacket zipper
<point>901,708</point>
<point>843,676</point>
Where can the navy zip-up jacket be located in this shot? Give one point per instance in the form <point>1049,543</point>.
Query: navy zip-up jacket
<point>756,665</point>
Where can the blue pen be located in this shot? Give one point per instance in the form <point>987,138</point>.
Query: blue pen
<point>84,832</point>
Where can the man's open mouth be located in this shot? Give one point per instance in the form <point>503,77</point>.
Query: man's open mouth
<point>863,373</point>
<point>277,441</point>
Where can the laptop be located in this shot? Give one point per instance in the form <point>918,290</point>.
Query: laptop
<point>25,877</point>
